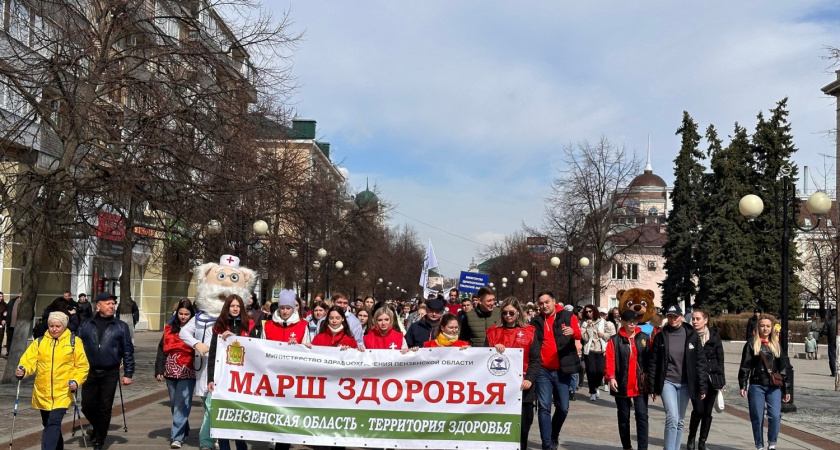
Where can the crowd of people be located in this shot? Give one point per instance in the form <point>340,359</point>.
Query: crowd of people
<point>679,362</point>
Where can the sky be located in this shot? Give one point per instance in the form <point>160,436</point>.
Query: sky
<point>458,112</point>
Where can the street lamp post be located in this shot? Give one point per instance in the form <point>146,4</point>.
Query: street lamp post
<point>583,262</point>
<point>751,206</point>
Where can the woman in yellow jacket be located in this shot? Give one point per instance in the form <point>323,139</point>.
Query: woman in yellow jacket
<point>60,366</point>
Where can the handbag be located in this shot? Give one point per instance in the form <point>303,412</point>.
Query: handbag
<point>775,377</point>
<point>716,380</point>
<point>719,402</point>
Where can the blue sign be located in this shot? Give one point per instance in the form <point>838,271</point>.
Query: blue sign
<point>472,281</point>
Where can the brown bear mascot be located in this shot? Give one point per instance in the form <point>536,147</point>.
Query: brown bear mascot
<point>640,301</point>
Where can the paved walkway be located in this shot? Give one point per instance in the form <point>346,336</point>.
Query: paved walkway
<point>591,425</point>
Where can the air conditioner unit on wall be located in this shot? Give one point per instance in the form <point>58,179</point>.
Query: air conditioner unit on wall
<point>651,265</point>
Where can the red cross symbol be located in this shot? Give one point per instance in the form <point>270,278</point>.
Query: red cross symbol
<point>520,334</point>
<point>393,345</point>
<point>230,259</point>
<point>293,335</point>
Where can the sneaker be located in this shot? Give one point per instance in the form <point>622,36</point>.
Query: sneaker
<point>572,396</point>
<point>593,397</point>
<point>175,444</point>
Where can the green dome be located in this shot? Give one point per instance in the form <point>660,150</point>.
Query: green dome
<point>366,198</point>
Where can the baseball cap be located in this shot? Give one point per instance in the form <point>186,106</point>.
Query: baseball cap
<point>673,310</point>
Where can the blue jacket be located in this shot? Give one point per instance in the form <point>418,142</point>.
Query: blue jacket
<point>116,346</point>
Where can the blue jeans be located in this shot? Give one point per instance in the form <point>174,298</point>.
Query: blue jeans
<point>575,382</point>
<point>675,397</point>
<point>552,383</point>
<point>180,396</point>
<point>758,396</point>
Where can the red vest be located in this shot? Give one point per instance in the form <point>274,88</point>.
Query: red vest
<point>516,337</point>
<point>327,339</point>
<point>276,332</point>
<point>392,340</point>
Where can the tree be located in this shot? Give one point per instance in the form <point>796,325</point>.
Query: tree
<point>583,210</point>
<point>129,108</point>
<point>772,148</point>
<point>684,219</point>
<point>725,239</point>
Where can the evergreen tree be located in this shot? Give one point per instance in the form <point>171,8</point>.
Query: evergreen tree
<point>683,219</point>
<point>726,242</point>
<point>772,148</point>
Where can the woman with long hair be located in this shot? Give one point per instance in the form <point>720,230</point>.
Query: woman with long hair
<point>701,412</point>
<point>383,335</point>
<point>763,380</point>
<point>174,363</point>
<point>335,332</point>
<point>364,318</point>
<point>446,333</point>
<point>316,316</point>
<point>233,321</point>
<point>596,332</point>
<point>514,333</point>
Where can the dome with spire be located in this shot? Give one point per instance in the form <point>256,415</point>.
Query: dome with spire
<point>648,178</point>
<point>367,198</point>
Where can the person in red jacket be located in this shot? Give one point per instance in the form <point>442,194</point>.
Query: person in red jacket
<point>335,332</point>
<point>286,324</point>
<point>626,359</point>
<point>514,333</point>
<point>233,321</point>
<point>174,364</point>
<point>446,333</point>
<point>383,336</point>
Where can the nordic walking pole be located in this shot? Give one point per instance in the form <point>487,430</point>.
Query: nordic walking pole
<point>79,415</point>
<point>14,418</point>
<point>125,425</point>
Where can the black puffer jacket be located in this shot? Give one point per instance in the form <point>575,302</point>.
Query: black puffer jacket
<point>116,347</point>
<point>694,364</point>
<point>753,370</point>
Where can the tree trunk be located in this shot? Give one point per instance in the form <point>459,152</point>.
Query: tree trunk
<point>126,300</point>
<point>31,274</point>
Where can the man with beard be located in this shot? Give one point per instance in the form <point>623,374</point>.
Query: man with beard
<point>214,283</point>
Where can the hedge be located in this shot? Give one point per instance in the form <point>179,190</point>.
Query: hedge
<point>733,327</point>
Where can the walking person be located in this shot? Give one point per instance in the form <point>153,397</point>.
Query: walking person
<point>383,335</point>
<point>286,325</point>
<point>59,365</point>
<point>446,333</point>
<point>423,330</point>
<point>763,380</point>
<point>677,372</point>
<point>476,322</point>
<point>84,308</point>
<point>626,358</point>
<point>596,331</point>
<point>233,321</point>
<point>107,343</point>
<point>174,364</point>
<point>830,331</point>
<point>556,330</point>
<point>701,410</point>
<point>335,331</point>
<point>3,315</point>
<point>514,333</point>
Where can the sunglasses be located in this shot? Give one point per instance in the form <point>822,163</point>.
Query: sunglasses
<point>509,313</point>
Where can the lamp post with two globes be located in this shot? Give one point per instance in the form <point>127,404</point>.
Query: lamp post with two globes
<point>582,262</point>
<point>751,206</point>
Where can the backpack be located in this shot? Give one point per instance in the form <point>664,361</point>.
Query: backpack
<point>72,340</point>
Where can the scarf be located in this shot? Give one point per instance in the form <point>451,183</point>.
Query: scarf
<point>335,330</point>
<point>445,340</point>
<point>293,319</point>
<point>704,335</point>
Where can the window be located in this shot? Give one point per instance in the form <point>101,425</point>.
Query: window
<point>653,211</point>
<point>19,21</point>
<point>625,271</point>
<point>166,23</point>
<point>43,36</point>
<point>11,100</point>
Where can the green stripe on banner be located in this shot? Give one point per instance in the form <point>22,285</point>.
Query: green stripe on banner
<point>365,423</point>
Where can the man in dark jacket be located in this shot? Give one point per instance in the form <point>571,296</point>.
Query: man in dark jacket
<point>829,329</point>
<point>677,372</point>
<point>752,323</point>
<point>556,329</point>
<point>421,331</point>
<point>475,323</point>
<point>84,308</point>
<point>107,343</point>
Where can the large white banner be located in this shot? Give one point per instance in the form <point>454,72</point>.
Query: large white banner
<point>443,398</point>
